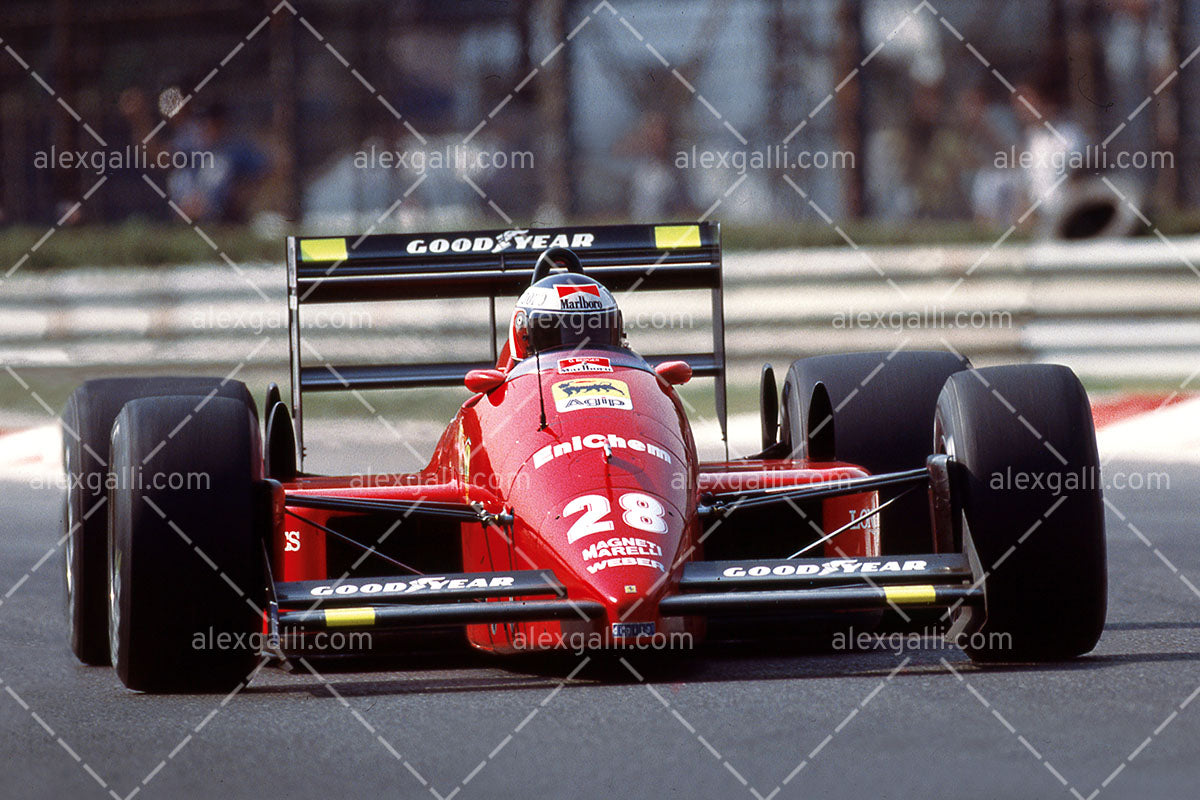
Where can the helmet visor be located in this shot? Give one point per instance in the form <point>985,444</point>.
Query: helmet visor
<point>549,329</point>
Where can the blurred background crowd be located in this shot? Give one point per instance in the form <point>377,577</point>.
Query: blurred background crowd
<point>962,117</point>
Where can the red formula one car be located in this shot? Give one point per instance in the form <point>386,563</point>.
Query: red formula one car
<point>565,502</point>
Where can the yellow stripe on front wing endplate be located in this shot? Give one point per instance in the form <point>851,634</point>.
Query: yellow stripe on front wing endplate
<point>348,617</point>
<point>910,594</point>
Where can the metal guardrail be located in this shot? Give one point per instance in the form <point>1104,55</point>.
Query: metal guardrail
<point>1115,310</point>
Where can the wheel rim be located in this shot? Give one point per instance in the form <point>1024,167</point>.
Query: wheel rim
<point>68,556</point>
<point>69,546</point>
<point>943,444</point>
<point>114,604</point>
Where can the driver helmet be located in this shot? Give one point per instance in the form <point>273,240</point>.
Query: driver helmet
<point>564,310</point>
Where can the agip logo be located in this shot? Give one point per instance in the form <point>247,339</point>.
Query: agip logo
<point>580,393</point>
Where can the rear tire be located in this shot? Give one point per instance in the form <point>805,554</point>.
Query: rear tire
<point>185,564</point>
<point>89,415</point>
<point>883,406</point>
<point>1042,549</point>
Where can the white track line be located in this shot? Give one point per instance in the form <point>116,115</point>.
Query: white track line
<point>1170,434</point>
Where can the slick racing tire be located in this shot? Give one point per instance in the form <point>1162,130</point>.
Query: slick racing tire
<point>87,422</point>
<point>1026,475</point>
<point>185,556</point>
<point>881,408</point>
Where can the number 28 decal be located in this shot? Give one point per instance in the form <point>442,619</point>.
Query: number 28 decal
<point>642,512</point>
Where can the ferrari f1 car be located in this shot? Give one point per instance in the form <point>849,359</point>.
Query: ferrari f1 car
<point>566,496</point>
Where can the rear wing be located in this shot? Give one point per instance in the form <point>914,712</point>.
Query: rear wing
<point>490,264</point>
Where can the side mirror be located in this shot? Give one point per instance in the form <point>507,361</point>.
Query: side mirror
<point>482,381</point>
<point>674,372</point>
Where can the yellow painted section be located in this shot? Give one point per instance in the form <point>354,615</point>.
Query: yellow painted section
<point>669,237</point>
<point>323,249</point>
<point>910,594</point>
<point>347,617</point>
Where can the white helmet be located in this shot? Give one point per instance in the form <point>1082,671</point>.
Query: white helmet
<point>563,310</point>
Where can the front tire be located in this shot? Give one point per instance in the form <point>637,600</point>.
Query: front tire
<point>1027,477</point>
<point>880,413</point>
<point>186,583</point>
<point>87,423</point>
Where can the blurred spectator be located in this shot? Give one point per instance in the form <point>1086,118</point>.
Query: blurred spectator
<point>990,128</point>
<point>140,118</point>
<point>1129,43</point>
<point>1049,151</point>
<point>214,170</point>
<point>939,156</point>
<point>125,194</point>
<point>221,168</point>
<point>656,188</point>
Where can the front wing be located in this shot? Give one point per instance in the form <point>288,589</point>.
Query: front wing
<point>707,588</point>
<point>758,587</point>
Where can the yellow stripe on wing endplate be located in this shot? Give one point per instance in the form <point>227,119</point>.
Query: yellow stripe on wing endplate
<point>670,237</point>
<point>323,249</point>
<point>901,595</point>
<point>347,617</point>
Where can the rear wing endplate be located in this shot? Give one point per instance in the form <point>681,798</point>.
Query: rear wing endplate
<point>490,264</point>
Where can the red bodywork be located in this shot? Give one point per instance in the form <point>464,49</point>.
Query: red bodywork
<point>605,496</point>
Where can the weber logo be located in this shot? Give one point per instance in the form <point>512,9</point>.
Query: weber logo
<point>625,562</point>
<point>584,364</point>
<point>509,240</point>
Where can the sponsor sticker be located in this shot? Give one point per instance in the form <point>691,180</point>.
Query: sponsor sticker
<point>584,364</point>
<point>621,546</point>
<point>579,297</point>
<point>568,289</point>
<point>423,585</point>
<point>580,393</point>
<point>597,441</point>
<point>508,240</point>
<point>625,562</point>
<point>841,566</point>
